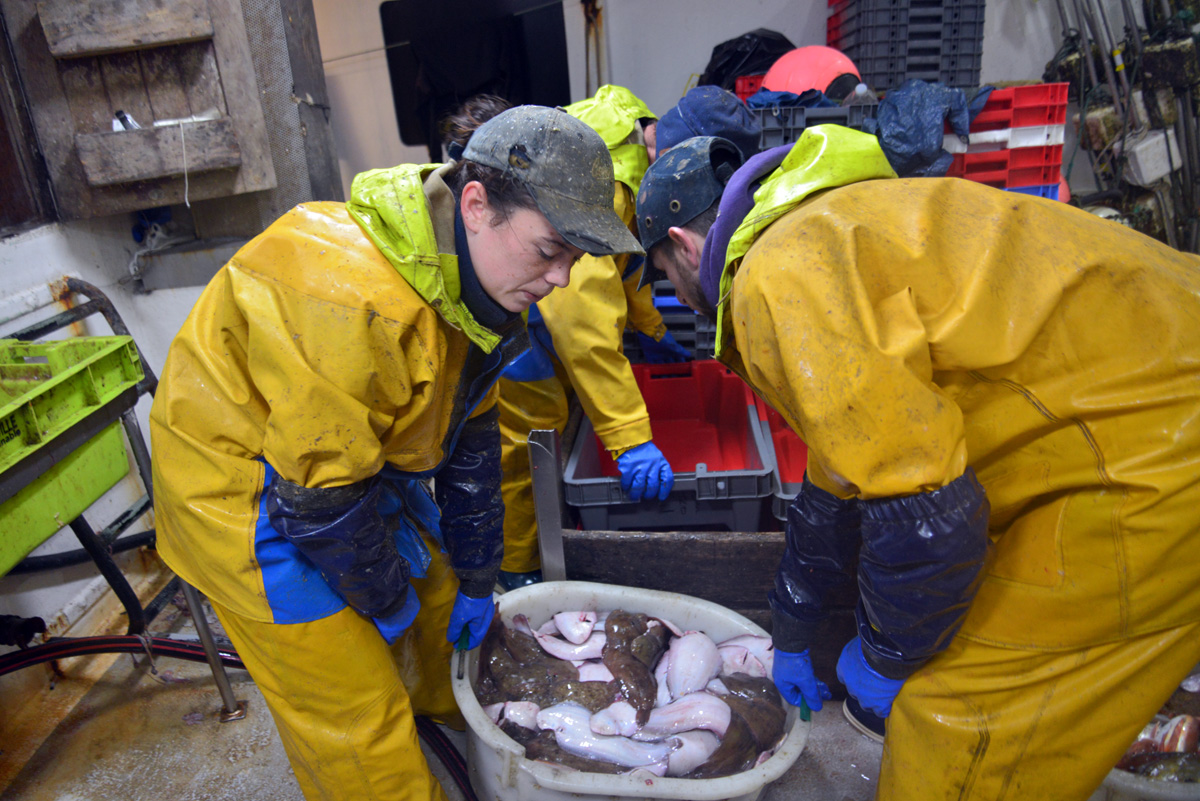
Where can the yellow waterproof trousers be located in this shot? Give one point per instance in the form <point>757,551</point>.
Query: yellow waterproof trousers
<point>343,700</point>
<point>524,407</point>
<point>985,723</point>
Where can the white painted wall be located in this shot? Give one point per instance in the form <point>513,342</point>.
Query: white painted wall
<point>98,251</point>
<point>660,48</point>
<point>657,48</point>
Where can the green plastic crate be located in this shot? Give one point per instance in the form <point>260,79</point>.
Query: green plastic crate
<point>60,495</point>
<point>47,387</point>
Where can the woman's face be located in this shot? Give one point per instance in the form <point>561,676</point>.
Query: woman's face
<point>518,260</point>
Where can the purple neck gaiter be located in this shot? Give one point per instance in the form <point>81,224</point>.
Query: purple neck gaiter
<point>736,202</point>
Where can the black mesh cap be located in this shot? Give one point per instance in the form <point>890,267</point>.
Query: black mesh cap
<point>679,186</point>
<point>565,165</point>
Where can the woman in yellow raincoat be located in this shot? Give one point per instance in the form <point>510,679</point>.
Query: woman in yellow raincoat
<point>974,371</point>
<point>339,360</point>
<point>577,334</point>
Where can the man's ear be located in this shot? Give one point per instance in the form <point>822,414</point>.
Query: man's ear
<point>688,244</point>
<point>476,210</point>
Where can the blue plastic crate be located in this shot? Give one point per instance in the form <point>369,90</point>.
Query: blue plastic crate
<point>1050,190</point>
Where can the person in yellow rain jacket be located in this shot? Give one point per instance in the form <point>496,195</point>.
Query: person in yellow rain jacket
<point>577,334</point>
<point>973,371</point>
<point>338,360</point>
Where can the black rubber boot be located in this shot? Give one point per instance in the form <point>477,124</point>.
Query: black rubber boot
<point>870,724</point>
<point>510,581</point>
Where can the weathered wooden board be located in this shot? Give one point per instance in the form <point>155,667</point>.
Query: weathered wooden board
<point>201,79</point>
<point>734,569</point>
<point>149,153</point>
<point>89,27</point>
<point>68,97</point>
<point>164,83</point>
<point>308,88</point>
<point>122,73</point>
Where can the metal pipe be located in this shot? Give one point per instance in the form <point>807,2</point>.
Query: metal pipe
<point>1182,137</point>
<point>1118,62</point>
<point>233,709</point>
<point>1109,77</point>
<point>1135,34</point>
<point>1062,16</point>
<point>1085,48</point>
<point>141,455</point>
<point>1191,158</point>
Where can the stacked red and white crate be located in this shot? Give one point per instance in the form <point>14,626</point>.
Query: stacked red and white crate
<point>1016,141</point>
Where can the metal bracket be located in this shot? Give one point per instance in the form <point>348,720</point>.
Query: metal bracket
<point>545,460</point>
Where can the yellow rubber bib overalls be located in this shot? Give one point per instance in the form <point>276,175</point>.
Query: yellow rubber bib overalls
<point>333,352</point>
<point>922,333</point>
<point>577,331</point>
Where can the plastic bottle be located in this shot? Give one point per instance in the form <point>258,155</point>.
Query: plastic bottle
<point>861,96</point>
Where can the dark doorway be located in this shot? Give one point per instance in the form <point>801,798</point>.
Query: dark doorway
<point>441,53</point>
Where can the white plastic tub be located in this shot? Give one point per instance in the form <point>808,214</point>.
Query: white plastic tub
<point>498,768</point>
<point>1121,785</point>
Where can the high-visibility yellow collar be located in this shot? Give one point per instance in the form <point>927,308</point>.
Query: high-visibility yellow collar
<point>824,157</point>
<point>392,208</point>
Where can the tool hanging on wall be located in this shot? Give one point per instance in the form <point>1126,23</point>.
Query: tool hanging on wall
<point>1137,113</point>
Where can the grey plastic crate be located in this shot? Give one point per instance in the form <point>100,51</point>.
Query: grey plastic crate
<point>891,41</point>
<point>700,499</point>
<point>683,323</point>
<point>706,337</point>
<point>782,493</point>
<point>782,125</point>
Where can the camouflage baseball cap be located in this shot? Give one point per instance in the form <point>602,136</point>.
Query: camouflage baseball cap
<point>565,165</point>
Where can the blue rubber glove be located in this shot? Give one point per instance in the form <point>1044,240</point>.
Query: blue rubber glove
<point>395,624</point>
<point>793,676</point>
<point>873,692</point>
<point>664,350</point>
<point>645,473</point>
<point>472,614</point>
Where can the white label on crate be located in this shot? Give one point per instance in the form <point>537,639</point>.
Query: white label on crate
<point>987,141</point>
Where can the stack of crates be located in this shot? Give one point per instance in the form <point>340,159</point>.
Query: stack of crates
<point>891,41</point>
<point>695,333</point>
<point>746,85</point>
<point>46,390</point>
<point>1016,141</point>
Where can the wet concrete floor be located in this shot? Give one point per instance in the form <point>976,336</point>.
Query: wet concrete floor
<point>140,736</point>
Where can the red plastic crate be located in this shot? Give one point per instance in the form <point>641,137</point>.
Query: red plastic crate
<point>1022,106</point>
<point>746,85</point>
<point>697,415</point>
<point>791,454</point>
<point>1004,169</point>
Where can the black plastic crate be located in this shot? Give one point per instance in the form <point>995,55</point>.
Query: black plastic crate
<point>782,125</point>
